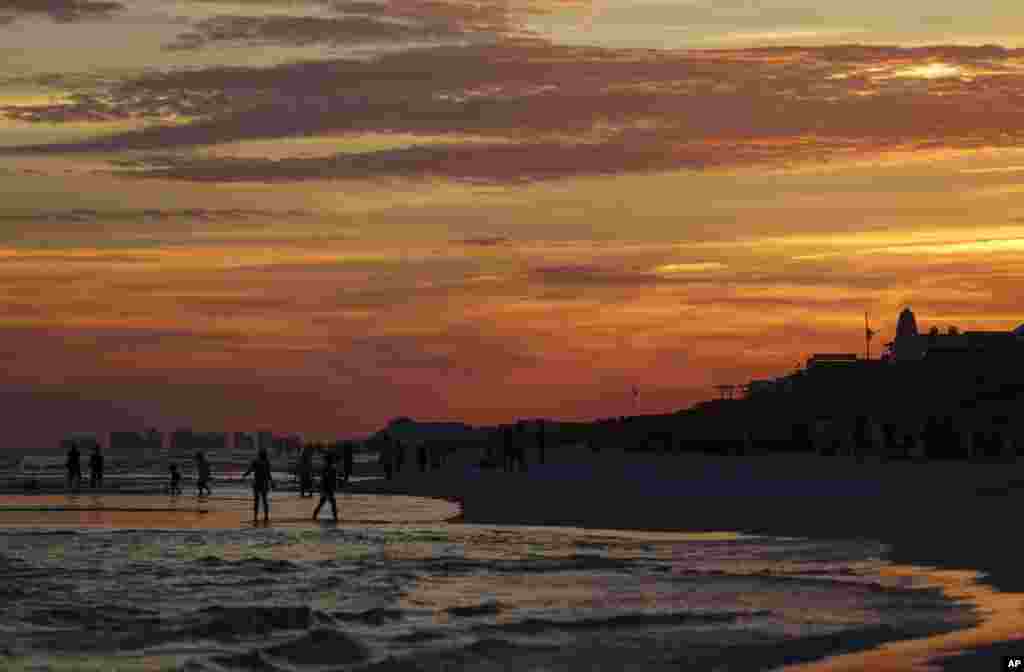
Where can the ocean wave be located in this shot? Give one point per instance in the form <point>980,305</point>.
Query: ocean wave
<point>39,532</point>
<point>321,646</point>
<point>637,620</point>
<point>248,565</point>
<point>375,616</point>
<point>232,623</point>
<point>530,565</point>
<point>492,646</point>
<point>486,653</point>
<point>417,636</point>
<point>105,616</point>
<point>475,609</point>
<point>253,661</point>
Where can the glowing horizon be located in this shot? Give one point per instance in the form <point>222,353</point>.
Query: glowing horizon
<point>316,219</point>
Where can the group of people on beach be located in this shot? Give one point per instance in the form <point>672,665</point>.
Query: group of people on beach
<point>391,454</point>
<point>304,469</point>
<point>74,468</point>
<point>260,469</point>
<point>263,482</point>
<point>202,477</point>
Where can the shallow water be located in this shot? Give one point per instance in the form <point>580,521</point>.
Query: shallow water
<point>150,582</point>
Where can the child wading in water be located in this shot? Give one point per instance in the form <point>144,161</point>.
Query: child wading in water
<point>261,484</point>
<point>175,486</point>
<point>202,475</point>
<point>328,481</point>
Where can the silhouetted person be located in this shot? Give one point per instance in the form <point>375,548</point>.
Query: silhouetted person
<point>174,487</point>
<point>328,482</point>
<point>399,455</point>
<point>421,456</point>
<point>96,468</point>
<point>348,462</point>
<point>261,484</point>
<point>74,467</point>
<point>387,458</point>
<point>306,472</point>
<point>202,475</point>
<point>508,451</point>
<point>540,442</point>
<point>519,445</point>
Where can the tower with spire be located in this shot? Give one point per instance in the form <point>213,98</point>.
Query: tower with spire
<point>908,344</point>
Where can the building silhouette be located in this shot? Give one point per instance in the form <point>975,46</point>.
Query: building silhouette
<point>243,442</point>
<point>185,443</point>
<point>148,444</point>
<point>934,394</point>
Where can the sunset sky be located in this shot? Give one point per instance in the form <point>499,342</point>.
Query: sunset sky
<point>312,216</point>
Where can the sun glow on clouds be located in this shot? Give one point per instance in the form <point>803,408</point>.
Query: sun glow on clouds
<point>516,210</point>
<point>695,267</point>
<point>929,71</point>
<point>329,145</point>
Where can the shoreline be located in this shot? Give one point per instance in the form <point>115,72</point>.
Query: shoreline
<point>953,521</point>
<point>949,523</point>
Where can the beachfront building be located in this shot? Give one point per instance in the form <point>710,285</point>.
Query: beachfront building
<point>936,394</point>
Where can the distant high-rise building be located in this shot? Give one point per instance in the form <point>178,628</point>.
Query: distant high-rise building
<point>265,441</point>
<point>185,442</point>
<point>211,442</point>
<point>84,442</point>
<point>244,442</point>
<point>288,445</point>
<point>136,444</point>
<point>181,442</point>
<point>154,442</point>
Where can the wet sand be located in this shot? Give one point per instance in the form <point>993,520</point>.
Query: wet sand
<point>959,518</point>
<point>230,511</point>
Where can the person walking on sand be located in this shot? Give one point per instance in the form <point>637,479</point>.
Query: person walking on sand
<point>174,488</point>
<point>74,467</point>
<point>328,482</point>
<point>96,468</point>
<point>202,475</point>
<point>261,484</point>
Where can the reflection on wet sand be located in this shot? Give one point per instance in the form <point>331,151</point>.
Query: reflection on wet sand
<point>1001,622</point>
<point>220,512</point>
